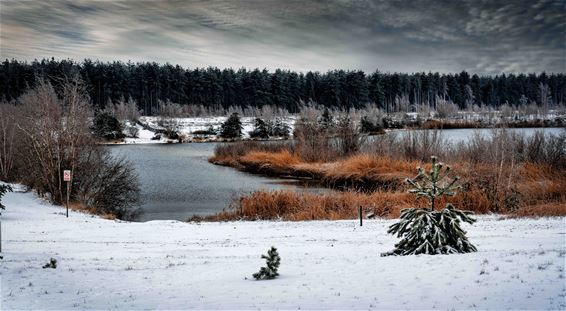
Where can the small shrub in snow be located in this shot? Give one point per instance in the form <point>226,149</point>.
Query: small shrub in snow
<point>272,260</point>
<point>425,230</point>
<point>51,264</point>
<point>132,132</point>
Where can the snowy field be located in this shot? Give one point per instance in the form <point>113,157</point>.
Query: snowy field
<point>104,264</point>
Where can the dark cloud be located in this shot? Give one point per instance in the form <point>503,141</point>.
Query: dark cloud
<point>481,36</point>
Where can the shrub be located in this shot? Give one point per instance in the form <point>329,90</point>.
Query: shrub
<point>107,185</point>
<point>370,127</point>
<point>107,126</point>
<point>427,231</point>
<point>132,132</point>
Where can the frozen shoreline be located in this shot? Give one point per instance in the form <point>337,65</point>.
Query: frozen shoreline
<point>104,264</point>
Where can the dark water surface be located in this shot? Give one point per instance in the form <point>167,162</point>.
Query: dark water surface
<point>177,181</point>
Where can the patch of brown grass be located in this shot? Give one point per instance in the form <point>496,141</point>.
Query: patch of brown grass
<point>369,172</point>
<point>293,206</point>
<point>541,210</point>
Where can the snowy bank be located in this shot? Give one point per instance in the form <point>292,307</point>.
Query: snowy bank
<point>105,264</point>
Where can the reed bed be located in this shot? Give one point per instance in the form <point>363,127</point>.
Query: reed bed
<point>501,173</point>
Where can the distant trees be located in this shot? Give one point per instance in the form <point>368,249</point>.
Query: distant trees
<point>201,90</point>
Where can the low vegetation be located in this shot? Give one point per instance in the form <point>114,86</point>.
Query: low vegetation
<point>502,172</point>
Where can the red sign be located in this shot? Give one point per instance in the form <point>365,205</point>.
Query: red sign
<point>66,175</point>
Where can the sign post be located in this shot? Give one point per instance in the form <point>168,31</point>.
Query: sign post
<point>67,178</point>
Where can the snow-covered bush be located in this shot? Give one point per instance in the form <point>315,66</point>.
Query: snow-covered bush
<point>426,230</point>
<point>272,260</point>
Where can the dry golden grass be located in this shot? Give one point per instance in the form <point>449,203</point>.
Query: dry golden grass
<point>80,207</point>
<point>507,187</point>
<point>541,210</point>
<point>293,206</point>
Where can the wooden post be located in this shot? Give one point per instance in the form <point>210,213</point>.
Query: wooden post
<point>360,212</point>
<point>67,177</point>
<point>68,195</point>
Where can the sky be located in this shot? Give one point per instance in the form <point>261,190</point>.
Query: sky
<point>480,36</point>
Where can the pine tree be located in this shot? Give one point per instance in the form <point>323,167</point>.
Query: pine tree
<point>232,128</point>
<point>426,230</point>
<point>107,126</point>
<point>326,120</point>
<point>3,190</point>
<point>261,129</point>
<point>272,260</point>
<point>280,129</point>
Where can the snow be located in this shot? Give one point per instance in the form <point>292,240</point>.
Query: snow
<point>107,264</point>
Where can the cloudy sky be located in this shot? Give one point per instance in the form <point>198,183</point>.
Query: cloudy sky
<point>484,37</point>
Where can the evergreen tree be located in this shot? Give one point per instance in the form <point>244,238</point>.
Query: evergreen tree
<point>261,129</point>
<point>369,126</point>
<point>3,190</point>
<point>326,120</point>
<point>280,129</point>
<point>272,260</point>
<point>232,128</point>
<point>107,126</point>
<point>426,230</point>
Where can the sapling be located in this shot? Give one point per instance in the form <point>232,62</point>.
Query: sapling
<point>3,190</point>
<point>427,230</point>
<point>272,261</point>
<point>51,264</point>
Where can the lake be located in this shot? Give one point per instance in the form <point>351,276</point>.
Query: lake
<point>177,181</point>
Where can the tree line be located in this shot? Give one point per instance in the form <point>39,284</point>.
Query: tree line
<point>150,84</point>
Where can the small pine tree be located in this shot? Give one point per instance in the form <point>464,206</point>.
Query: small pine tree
<point>370,127</point>
<point>326,120</point>
<point>427,231</point>
<point>3,190</point>
<point>272,260</point>
<point>232,128</point>
<point>261,129</point>
<point>280,129</point>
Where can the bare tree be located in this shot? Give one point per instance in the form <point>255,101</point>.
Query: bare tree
<point>54,130</point>
<point>7,142</point>
<point>169,113</point>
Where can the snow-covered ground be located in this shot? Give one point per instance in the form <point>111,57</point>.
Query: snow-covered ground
<point>187,126</point>
<point>105,264</point>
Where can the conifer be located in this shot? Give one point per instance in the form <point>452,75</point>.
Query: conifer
<point>426,230</point>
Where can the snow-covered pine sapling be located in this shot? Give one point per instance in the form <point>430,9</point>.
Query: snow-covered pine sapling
<point>51,264</point>
<point>272,260</point>
<point>426,230</point>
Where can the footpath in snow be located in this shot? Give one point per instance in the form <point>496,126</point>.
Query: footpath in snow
<point>105,264</point>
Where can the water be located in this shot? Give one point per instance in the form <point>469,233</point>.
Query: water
<point>461,135</point>
<point>177,181</point>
